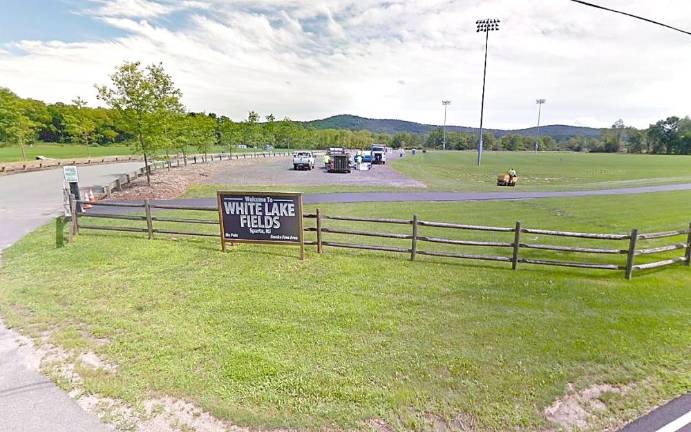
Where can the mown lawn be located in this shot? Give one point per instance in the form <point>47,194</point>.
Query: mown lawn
<point>61,151</point>
<point>68,151</point>
<point>457,171</point>
<point>262,339</point>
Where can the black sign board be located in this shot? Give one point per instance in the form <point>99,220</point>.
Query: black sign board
<point>261,217</point>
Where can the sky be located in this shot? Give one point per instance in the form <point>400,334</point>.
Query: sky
<point>308,59</point>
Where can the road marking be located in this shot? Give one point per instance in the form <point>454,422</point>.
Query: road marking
<point>676,424</point>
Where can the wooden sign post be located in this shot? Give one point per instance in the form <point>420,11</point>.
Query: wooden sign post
<point>261,217</point>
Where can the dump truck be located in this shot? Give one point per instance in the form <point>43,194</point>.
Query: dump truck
<point>378,154</point>
<point>339,163</point>
<point>507,179</point>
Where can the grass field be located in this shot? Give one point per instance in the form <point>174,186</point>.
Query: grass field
<point>261,339</point>
<point>457,171</point>
<point>61,151</point>
<point>68,151</point>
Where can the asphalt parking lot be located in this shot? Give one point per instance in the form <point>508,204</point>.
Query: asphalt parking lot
<point>279,171</point>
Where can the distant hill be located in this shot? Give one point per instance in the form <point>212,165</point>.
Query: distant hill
<point>392,126</point>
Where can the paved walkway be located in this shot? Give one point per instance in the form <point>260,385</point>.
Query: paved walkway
<point>30,402</point>
<point>355,197</point>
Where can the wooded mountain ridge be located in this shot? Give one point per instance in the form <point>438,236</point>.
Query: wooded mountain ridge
<point>394,126</point>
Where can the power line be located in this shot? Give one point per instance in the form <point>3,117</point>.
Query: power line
<point>632,16</point>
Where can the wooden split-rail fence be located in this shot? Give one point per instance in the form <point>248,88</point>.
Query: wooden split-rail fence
<point>628,246</point>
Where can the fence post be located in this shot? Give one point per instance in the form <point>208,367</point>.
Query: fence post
<point>149,222</point>
<point>74,223</point>
<point>633,242</point>
<point>319,231</point>
<point>516,246</point>
<point>413,249</point>
<point>688,248</point>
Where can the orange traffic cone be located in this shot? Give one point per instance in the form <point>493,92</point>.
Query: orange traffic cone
<point>89,197</point>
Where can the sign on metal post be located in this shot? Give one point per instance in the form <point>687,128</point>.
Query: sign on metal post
<point>70,186</point>
<point>70,174</point>
<point>261,217</point>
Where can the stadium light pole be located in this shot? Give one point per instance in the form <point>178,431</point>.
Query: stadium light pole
<point>539,103</point>
<point>446,103</point>
<point>486,25</point>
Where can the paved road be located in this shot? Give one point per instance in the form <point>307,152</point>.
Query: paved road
<point>672,417</point>
<point>29,200</point>
<point>354,197</point>
<point>30,402</point>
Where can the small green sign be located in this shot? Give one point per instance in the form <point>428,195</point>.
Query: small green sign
<point>70,174</point>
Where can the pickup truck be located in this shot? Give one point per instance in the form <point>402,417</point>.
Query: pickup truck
<point>303,160</point>
<point>378,155</point>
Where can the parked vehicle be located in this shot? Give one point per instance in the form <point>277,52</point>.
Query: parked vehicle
<point>339,163</point>
<point>378,155</point>
<point>303,160</point>
<point>367,157</point>
<point>268,147</point>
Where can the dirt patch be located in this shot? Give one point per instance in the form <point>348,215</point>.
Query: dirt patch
<point>159,414</point>
<point>167,184</point>
<point>92,361</point>
<point>574,410</point>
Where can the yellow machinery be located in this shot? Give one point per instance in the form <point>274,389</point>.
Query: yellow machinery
<point>507,180</point>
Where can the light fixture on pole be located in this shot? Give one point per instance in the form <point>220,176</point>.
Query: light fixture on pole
<point>486,25</point>
<point>539,103</point>
<point>446,103</point>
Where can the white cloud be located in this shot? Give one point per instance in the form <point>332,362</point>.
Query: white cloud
<point>230,56</point>
<point>140,8</point>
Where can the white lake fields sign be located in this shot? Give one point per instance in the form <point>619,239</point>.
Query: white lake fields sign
<point>261,217</point>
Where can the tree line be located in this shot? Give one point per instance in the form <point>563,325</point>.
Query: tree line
<point>144,110</point>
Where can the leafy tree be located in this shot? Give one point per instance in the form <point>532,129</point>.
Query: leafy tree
<point>230,133</point>
<point>636,141</point>
<point>78,124</point>
<point>664,135</point>
<point>251,131</point>
<point>17,124</point>
<point>143,100</point>
<point>270,130</point>
<point>202,132</point>
<point>287,133</point>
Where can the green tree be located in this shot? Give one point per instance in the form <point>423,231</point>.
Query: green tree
<point>664,135</point>
<point>287,133</point>
<point>251,130</point>
<point>143,99</point>
<point>202,132</point>
<point>16,123</point>
<point>79,125</point>
<point>230,133</point>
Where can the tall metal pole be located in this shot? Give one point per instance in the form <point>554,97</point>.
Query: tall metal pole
<point>446,103</point>
<point>539,114</point>
<point>486,26</point>
<point>482,106</point>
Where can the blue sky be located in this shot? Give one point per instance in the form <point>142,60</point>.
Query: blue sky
<point>390,59</point>
<point>47,20</point>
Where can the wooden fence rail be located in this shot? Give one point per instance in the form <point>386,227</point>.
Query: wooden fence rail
<point>418,240</point>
